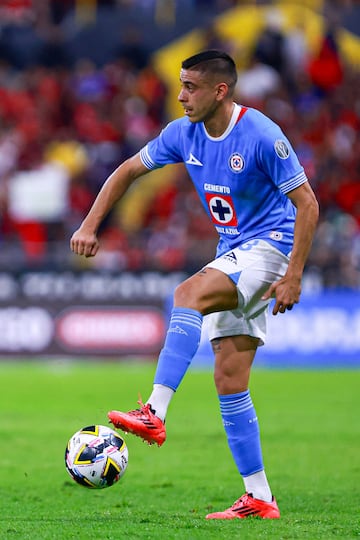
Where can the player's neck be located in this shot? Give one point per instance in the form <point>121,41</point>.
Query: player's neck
<point>218,123</point>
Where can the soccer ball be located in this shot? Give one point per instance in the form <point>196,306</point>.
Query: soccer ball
<point>96,457</point>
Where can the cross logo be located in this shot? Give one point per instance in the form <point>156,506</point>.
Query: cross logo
<point>221,209</point>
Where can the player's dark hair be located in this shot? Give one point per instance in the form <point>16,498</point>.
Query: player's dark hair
<point>214,62</point>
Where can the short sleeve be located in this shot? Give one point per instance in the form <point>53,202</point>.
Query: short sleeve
<point>278,160</point>
<point>164,149</point>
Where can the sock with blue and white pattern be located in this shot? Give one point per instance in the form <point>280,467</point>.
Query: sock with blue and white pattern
<point>181,343</point>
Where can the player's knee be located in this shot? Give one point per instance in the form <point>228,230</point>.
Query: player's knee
<point>223,382</point>
<point>229,384</point>
<point>230,379</point>
<point>185,295</point>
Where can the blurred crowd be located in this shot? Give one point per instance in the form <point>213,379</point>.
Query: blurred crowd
<point>65,126</point>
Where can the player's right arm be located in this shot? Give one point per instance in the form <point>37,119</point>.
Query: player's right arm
<point>84,241</point>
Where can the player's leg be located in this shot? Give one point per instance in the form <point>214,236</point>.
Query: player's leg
<point>235,337</point>
<point>207,291</point>
<point>234,284</point>
<point>233,360</point>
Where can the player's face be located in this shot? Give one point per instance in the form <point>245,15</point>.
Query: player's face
<point>198,95</point>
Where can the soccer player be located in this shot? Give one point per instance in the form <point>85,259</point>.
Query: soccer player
<point>260,202</point>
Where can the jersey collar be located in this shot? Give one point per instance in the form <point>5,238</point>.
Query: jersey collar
<point>233,121</point>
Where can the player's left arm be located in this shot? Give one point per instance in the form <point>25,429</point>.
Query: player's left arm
<point>288,289</point>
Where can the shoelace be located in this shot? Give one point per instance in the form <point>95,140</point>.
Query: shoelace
<point>144,409</point>
<point>240,502</point>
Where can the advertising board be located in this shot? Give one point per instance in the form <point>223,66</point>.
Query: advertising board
<point>323,330</point>
<point>101,315</point>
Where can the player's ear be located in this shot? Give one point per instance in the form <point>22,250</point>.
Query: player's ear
<point>222,90</point>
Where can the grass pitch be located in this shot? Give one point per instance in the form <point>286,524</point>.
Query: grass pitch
<point>310,432</point>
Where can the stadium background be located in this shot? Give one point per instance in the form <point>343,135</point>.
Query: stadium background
<point>83,85</point>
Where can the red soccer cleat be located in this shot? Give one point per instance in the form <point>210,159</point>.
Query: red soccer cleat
<point>141,422</point>
<point>247,506</point>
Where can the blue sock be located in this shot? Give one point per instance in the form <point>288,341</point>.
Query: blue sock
<point>181,343</point>
<point>242,430</point>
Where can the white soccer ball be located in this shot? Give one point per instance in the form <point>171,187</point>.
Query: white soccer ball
<point>96,457</point>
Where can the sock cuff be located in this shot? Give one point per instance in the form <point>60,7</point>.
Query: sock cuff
<point>187,316</point>
<point>235,403</point>
<point>187,311</point>
<point>225,398</point>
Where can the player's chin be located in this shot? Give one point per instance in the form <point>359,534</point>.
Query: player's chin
<point>193,118</point>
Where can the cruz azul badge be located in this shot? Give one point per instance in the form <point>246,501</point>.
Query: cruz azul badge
<point>236,162</point>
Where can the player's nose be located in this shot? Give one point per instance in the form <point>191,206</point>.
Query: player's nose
<point>182,96</point>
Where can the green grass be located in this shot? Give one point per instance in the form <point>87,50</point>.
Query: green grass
<point>310,432</point>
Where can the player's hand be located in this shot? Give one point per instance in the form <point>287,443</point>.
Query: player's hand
<point>286,292</point>
<point>84,243</point>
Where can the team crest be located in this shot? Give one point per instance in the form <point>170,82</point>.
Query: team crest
<point>236,162</point>
<point>221,209</point>
<point>282,149</point>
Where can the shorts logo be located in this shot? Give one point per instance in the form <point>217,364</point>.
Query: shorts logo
<point>231,257</point>
<point>236,162</point>
<point>282,149</point>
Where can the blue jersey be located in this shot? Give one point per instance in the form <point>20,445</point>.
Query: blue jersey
<point>242,177</point>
